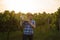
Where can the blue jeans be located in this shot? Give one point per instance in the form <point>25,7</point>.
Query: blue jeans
<point>27,37</point>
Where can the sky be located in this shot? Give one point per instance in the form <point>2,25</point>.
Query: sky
<point>33,6</point>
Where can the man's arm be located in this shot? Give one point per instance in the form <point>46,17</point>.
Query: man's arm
<point>32,24</point>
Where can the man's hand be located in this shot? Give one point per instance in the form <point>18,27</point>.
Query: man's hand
<point>33,26</point>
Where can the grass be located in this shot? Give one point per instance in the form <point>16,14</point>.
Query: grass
<point>40,34</point>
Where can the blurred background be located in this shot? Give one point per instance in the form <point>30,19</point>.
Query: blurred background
<point>46,13</point>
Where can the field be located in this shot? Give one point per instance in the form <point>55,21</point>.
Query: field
<point>38,35</point>
<point>47,26</point>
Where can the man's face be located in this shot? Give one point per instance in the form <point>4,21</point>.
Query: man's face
<point>30,16</point>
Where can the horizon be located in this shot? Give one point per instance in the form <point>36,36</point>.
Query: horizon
<point>33,6</point>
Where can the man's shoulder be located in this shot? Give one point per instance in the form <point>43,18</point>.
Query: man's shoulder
<point>33,20</point>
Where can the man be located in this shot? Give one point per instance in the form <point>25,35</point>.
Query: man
<point>28,25</point>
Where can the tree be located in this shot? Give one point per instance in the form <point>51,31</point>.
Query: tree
<point>58,19</point>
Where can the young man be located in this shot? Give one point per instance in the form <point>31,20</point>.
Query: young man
<point>28,25</point>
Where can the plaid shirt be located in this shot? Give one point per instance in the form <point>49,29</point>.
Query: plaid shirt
<point>28,30</point>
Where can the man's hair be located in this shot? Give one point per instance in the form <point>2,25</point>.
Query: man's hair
<point>29,14</point>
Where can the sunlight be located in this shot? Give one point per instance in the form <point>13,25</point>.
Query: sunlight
<point>30,5</point>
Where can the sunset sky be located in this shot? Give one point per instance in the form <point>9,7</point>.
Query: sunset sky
<point>30,5</point>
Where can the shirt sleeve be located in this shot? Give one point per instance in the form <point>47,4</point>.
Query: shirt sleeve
<point>34,22</point>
